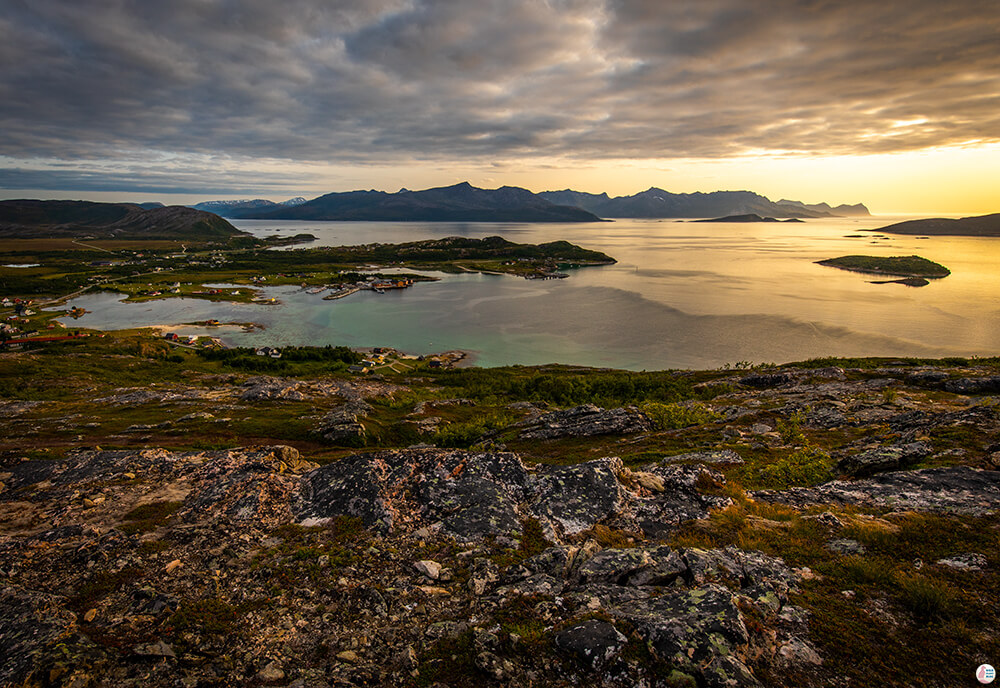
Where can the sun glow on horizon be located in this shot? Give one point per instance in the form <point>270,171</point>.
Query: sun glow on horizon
<point>952,181</point>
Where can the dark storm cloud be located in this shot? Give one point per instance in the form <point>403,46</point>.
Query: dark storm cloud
<point>398,80</point>
<point>195,180</point>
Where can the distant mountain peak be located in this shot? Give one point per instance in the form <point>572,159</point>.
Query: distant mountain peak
<point>235,208</point>
<point>460,202</point>
<point>655,202</point>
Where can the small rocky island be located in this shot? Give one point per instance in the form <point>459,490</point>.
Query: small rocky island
<point>747,217</point>
<point>914,271</point>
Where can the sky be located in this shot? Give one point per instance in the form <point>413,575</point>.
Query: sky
<point>892,103</point>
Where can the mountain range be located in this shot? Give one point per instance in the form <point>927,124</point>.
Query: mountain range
<point>30,219</point>
<point>466,203</point>
<point>842,210</point>
<point>459,203</point>
<point>657,203</point>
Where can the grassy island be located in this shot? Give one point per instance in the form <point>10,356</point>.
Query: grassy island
<point>899,266</point>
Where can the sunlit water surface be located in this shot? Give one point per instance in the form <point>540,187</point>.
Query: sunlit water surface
<point>682,295</point>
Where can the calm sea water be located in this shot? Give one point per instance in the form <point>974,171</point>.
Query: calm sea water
<point>683,295</point>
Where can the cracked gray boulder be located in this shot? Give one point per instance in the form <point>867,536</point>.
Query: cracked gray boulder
<point>343,424</point>
<point>955,489</point>
<point>585,421</point>
<point>39,637</point>
<point>882,459</point>
<point>974,385</point>
<point>690,607</point>
<point>575,498</point>
<point>474,494</point>
<point>594,643</point>
<point>465,494</point>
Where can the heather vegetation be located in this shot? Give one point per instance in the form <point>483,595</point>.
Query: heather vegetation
<point>903,575</point>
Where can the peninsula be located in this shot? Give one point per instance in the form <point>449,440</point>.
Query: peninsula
<point>144,271</point>
<point>980,225</point>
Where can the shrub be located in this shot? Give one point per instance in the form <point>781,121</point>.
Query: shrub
<point>863,570</point>
<point>464,435</point>
<point>928,599</point>
<point>148,517</point>
<point>790,428</point>
<point>533,539</point>
<point>803,467</point>
<point>676,416</point>
<point>212,616</point>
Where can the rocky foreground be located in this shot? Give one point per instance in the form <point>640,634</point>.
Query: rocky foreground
<point>428,566</point>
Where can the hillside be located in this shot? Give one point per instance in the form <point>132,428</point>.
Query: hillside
<point>177,516</point>
<point>458,203</point>
<point>980,225</point>
<point>657,203</point>
<point>33,219</point>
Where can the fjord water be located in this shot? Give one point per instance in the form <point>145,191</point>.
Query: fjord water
<point>682,295</point>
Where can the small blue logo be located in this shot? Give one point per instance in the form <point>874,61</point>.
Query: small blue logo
<point>986,674</point>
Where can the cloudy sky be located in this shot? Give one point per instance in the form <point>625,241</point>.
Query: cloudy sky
<point>894,103</point>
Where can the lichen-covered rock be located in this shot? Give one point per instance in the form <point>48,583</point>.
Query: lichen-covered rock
<point>256,485</point>
<point>466,494</point>
<point>690,628</point>
<point>768,380</point>
<point>658,514</point>
<point>343,424</point>
<point>845,546</point>
<point>271,388</point>
<point>883,459</point>
<point>955,489</point>
<point>970,561</point>
<point>717,456</point>
<point>974,385</point>
<point>594,643</point>
<point>575,498</point>
<point>251,485</point>
<point>39,638</point>
<point>614,566</point>
<point>688,605</point>
<point>585,421</point>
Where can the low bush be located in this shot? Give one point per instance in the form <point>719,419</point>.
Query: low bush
<point>928,599</point>
<point>803,467</point>
<point>675,416</point>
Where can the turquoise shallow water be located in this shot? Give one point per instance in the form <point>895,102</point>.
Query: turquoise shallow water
<point>682,295</point>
